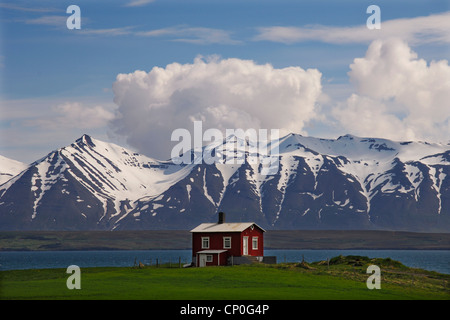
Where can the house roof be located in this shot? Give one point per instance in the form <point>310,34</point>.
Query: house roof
<point>225,227</point>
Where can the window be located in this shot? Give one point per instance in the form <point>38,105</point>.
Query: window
<point>209,258</point>
<point>227,242</point>
<point>205,242</point>
<point>255,243</point>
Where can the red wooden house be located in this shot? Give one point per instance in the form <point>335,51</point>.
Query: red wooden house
<point>214,243</point>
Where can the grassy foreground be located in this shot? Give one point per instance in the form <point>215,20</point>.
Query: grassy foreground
<point>341,278</point>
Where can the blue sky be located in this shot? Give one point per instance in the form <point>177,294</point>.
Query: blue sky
<point>46,68</point>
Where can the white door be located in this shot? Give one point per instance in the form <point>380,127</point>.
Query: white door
<point>202,258</point>
<point>245,246</point>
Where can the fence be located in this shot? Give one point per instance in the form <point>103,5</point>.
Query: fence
<point>183,262</point>
<point>162,263</point>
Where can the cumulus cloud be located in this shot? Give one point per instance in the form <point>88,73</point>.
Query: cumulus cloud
<point>366,117</point>
<point>224,94</point>
<point>399,96</point>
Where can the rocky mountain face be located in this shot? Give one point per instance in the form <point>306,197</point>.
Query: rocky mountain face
<point>347,183</point>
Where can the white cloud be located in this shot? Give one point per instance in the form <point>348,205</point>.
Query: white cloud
<point>53,115</point>
<point>73,115</point>
<point>195,35</point>
<point>399,96</point>
<point>224,94</point>
<point>58,21</point>
<point>29,128</point>
<point>428,29</point>
<point>108,31</point>
<point>363,116</point>
<point>138,3</point>
<point>27,8</point>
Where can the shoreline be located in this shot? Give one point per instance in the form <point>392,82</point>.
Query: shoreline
<point>181,240</point>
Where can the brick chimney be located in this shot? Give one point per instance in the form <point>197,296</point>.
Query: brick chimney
<point>221,218</point>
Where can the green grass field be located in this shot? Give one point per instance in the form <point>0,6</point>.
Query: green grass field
<point>343,278</point>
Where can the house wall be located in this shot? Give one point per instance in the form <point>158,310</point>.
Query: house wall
<point>217,259</point>
<point>256,232</point>
<point>216,242</point>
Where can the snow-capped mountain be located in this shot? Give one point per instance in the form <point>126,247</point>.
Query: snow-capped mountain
<point>9,168</point>
<point>86,185</point>
<point>346,183</point>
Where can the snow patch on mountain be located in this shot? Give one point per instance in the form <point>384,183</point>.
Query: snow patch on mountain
<point>10,168</point>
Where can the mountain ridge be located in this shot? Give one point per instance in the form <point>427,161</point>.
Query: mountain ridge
<point>344,183</point>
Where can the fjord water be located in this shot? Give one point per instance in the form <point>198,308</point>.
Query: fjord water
<point>433,260</point>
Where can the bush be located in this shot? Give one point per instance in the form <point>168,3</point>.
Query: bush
<point>387,262</point>
<point>349,260</point>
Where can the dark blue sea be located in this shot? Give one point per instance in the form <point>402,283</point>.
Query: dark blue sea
<point>433,260</point>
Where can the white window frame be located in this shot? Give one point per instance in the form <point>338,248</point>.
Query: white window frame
<point>209,258</point>
<point>255,241</point>
<point>245,246</point>
<point>225,239</point>
<point>205,242</point>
